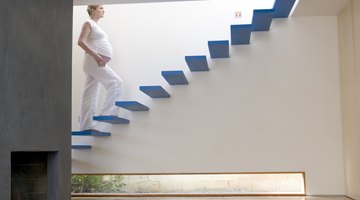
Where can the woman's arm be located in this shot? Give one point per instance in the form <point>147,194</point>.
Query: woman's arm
<point>84,34</point>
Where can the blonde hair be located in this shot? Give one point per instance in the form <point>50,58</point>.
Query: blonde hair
<point>91,9</point>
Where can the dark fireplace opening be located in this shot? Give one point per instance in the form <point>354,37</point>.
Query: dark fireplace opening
<point>29,175</point>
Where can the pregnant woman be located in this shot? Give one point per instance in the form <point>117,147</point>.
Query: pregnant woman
<point>98,52</point>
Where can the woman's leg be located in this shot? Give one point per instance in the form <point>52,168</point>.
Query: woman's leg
<point>89,103</point>
<point>112,83</point>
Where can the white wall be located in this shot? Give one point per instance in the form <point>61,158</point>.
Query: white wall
<point>349,34</point>
<point>274,105</point>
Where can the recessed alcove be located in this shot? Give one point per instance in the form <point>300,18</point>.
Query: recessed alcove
<point>31,173</point>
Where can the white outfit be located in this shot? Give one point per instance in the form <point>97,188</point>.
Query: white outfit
<point>98,40</point>
<point>95,75</point>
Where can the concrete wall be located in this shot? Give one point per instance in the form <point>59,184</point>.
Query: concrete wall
<point>349,34</point>
<point>274,105</point>
<point>35,87</point>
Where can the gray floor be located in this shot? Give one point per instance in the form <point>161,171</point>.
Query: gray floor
<point>216,198</point>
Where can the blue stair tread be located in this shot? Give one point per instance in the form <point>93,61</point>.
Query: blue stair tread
<point>197,63</point>
<point>132,105</point>
<point>111,119</point>
<point>283,8</point>
<point>80,146</point>
<point>176,77</point>
<point>262,19</point>
<point>90,133</point>
<point>155,91</point>
<point>219,49</point>
<point>240,34</point>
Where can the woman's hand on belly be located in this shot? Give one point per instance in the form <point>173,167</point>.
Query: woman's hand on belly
<point>105,58</point>
<point>101,60</point>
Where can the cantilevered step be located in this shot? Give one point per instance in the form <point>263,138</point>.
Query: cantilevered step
<point>197,63</point>
<point>283,8</point>
<point>240,34</point>
<point>132,105</point>
<point>80,146</point>
<point>219,49</point>
<point>262,19</point>
<point>175,77</point>
<point>90,133</point>
<point>111,119</point>
<point>155,91</point>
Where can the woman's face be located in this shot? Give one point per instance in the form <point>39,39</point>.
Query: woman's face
<point>99,12</point>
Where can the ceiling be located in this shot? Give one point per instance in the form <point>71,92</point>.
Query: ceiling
<point>303,8</point>
<point>96,2</point>
<point>319,7</point>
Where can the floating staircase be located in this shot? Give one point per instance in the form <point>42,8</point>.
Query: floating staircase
<point>80,146</point>
<point>219,49</point>
<point>262,19</point>
<point>87,133</point>
<point>176,77</point>
<point>132,105</point>
<point>155,91</point>
<point>282,8</point>
<point>90,133</point>
<point>240,35</point>
<point>197,63</point>
<point>111,119</point>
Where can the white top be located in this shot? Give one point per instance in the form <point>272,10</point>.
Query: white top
<point>98,40</point>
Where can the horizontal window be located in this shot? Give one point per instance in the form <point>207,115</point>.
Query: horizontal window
<point>189,184</point>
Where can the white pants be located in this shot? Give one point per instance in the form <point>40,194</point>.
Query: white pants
<point>95,76</point>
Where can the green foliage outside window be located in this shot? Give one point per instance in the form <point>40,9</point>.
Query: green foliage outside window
<point>96,183</point>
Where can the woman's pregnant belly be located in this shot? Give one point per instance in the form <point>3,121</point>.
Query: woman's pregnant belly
<point>103,48</point>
